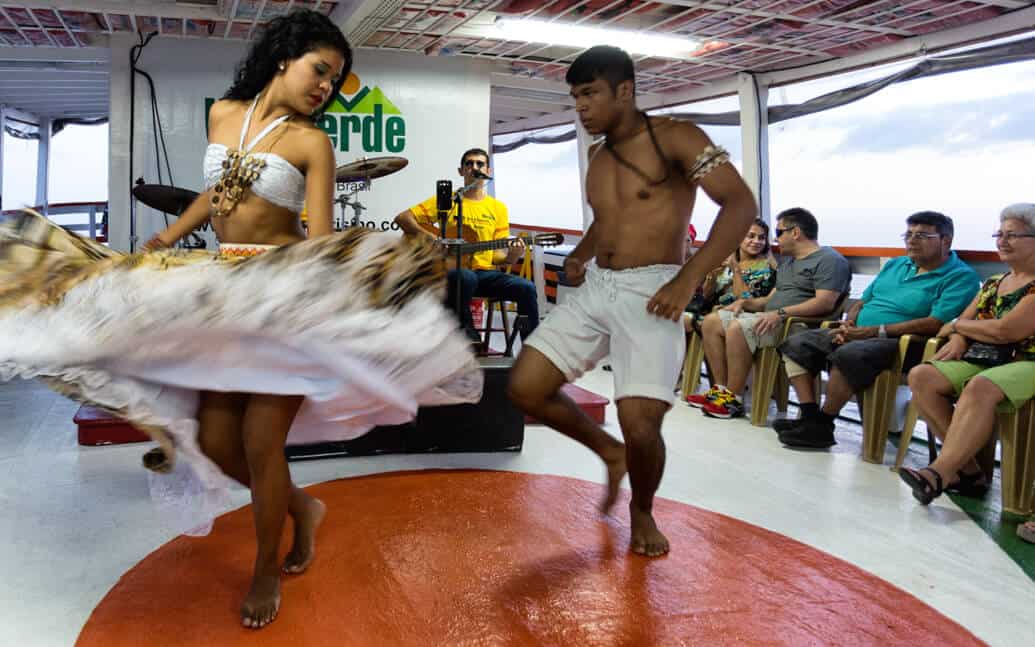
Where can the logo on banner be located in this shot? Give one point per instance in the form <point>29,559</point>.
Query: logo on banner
<point>364,120</point>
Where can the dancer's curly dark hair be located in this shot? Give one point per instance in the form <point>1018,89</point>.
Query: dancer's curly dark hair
<point>286,38</point>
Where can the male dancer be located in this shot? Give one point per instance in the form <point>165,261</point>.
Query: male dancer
<point>641,183</point>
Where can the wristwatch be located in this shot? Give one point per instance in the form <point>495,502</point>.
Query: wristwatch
<point>882,332</point>
<point>952,326</point>
<point>781,312</point>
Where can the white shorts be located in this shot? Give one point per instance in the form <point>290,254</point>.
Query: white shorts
<point>608,315</point>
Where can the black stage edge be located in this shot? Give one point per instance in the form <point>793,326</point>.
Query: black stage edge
<point>492,425</point>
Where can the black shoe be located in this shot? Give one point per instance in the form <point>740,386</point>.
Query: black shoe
<point>781,425</point>
<point>972,485</point>
<point>811,434</point>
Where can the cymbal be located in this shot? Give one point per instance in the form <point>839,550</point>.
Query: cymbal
<point>368,168</point>
<point>169,199</point>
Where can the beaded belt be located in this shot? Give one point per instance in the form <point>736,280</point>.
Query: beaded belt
<point>243,249</point>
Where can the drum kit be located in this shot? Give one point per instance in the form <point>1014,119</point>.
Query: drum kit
<point>354,176</point>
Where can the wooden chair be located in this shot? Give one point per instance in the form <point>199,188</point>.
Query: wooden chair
<point>492,305</point>
<point>913,414</point>
<point>489,309</point>
<point>692,363</point>
<point>1017,435</point>
<point>877,403</point>
<point>1015,430</point>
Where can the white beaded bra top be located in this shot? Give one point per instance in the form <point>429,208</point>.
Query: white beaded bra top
<point>268,175</point>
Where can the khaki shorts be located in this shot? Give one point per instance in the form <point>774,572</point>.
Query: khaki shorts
<point>1015,379</point>
<point>747,322</point>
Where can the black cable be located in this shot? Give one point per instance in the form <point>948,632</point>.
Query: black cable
<point>160,148</point>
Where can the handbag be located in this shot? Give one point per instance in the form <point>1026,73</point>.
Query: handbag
<point>989,355</point>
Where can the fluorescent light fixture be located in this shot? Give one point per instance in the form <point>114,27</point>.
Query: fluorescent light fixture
<point>556,33</point>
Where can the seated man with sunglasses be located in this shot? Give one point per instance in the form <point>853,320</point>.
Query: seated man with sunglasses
<point>913,294</point>
<point>810,282</point>
<point>487,218</point>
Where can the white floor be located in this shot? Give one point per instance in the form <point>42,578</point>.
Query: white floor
<point>75,518</point>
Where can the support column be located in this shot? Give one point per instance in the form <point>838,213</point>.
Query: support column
<point>118,143</point>
<point>3,136</point>
<point>754,132</point>
<point>584,141</point>
<point>43,164</point>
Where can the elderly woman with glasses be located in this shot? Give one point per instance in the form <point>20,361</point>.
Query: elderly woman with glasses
<point>987,363</point>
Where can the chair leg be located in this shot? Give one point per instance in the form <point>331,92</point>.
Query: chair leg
<point>503,316</point>
<point>877,404</point>
<point>1017,433</point>
<point>912,414</point>
<point>692,365</point>
<point>519,325</point>
<point>783,390</point>
<point>767,361</point>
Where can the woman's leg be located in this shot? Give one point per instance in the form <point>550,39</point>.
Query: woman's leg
<point>972,425</point>
<point>221,438</point>
<point>238,430</point>
<point>932,395</point>
<point>221,417</point>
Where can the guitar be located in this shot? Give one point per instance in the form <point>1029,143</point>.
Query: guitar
<point>471,244</point>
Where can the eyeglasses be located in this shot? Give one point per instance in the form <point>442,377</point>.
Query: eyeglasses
<point>1009,236</point>
<point>780,232</point>
<point>919,235</point>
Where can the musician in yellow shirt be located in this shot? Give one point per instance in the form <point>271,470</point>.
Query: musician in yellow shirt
<point>487,218</point>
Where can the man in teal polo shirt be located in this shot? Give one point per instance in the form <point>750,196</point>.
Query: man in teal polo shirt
<point>913,294</point>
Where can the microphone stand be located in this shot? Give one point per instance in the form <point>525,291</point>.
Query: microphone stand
<point>458,199</point>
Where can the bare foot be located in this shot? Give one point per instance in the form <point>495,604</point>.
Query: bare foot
<point>262,603</point>
<point>303,549</point>
<point>615,462</point>
<point>646,538</point>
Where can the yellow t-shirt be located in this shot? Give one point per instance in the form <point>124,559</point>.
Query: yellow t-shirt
<point>487,218</point>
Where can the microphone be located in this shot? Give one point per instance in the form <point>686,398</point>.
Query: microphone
<point>478,175</point>
<point>444,195</point>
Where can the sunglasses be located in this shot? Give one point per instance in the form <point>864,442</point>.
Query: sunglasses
<point>780,232</point>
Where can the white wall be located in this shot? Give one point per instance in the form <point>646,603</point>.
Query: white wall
<point>444,103</point>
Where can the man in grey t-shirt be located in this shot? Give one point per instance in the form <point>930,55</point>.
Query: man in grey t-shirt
<point>811,281</point>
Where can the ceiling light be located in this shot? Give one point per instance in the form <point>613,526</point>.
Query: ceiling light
<point>556,33</point>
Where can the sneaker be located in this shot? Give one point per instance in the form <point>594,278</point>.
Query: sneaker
<point>724,405</point>
<point>698,400</point>
<point>810,434</point>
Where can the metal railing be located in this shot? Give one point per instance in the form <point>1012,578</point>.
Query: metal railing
<point>88,218</point>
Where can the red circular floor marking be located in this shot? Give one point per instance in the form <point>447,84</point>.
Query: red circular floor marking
<point>464,557</point>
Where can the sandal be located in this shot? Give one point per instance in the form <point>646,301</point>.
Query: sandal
<point>972,485</point>
<point>1026,531</point>
<point>923,491</point>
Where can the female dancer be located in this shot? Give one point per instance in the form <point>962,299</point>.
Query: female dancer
<point>219,357</point>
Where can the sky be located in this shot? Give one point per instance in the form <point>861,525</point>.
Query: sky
<point>962,144</point>
<point>78,167</point>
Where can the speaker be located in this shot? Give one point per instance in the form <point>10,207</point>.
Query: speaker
<point>494,424</point>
